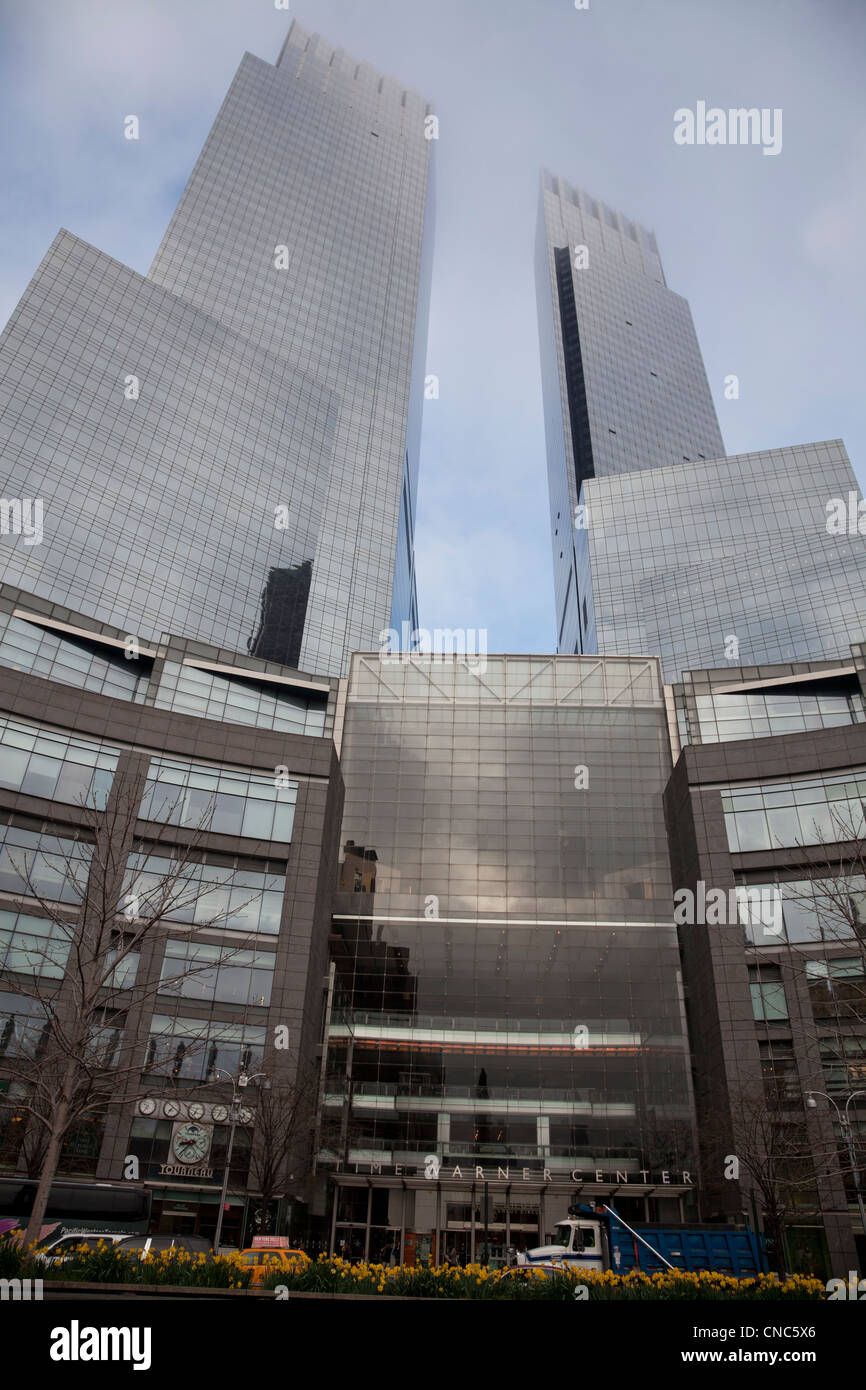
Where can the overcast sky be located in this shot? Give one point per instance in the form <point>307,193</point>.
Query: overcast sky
<point>768,250</point>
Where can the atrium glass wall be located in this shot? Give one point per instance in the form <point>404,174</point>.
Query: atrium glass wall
<point>510,995</point>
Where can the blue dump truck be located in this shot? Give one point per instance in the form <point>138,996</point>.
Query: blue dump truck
<point>598,1238</point>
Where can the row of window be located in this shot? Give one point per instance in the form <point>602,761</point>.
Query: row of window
<point>194,1049</point>
<point>219,799</point>
<point>41,762</point>
<point>191,690</point>
<point>204,894</point>
<point>753,714</point>
<point>46,763</point>
<point>24,646</point>
<point>40,947</point>
<point>192,970</point>
<point>201,893</point>
<point>776,815</point>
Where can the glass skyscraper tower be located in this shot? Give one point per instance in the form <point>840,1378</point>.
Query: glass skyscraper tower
<point>227,448</point>
<point>624,384</point>
<point>661,544</point>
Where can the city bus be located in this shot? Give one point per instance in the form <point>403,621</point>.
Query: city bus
<point>121,1208</point>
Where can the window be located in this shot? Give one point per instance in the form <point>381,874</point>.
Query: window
<point>778,814</point>
<point>223,800</point>
<point>837,988</point>
<point>768,995</point>
<point>263,704</point>
<point>756,714</point>
<point>779,1072</point>
<point>24,646</point>
<point>218,973</point>
<point>194,1049</point>
<point>41,762</point>
<point>211,892</point>
<point>812,910</point>
<point>24,1026</point>
<point>34,945</point>
<point>54,868</point>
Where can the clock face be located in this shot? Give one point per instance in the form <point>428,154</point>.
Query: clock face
<point>191,1143</point>
<point>219,1113</point>
<point>171,1108</point>
<point>245,1116</point>
<point>146,1107</point>
<point>195,1111</point>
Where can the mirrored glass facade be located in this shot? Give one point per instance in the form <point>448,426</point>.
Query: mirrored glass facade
<point>322,156</point>
<point>227,448</point>
<point>727,560</point>
<point>623,379</point>
<point>506,983</point>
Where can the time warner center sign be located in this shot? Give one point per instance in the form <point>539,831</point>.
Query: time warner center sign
<point>435,1171</point>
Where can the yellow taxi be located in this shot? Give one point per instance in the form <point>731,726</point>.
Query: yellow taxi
<point>266,1259</point>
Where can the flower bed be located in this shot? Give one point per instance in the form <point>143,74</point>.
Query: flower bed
<point>331,1275</point>
<point>107,1265</point>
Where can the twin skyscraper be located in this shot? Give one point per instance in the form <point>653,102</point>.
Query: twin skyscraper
<point>227,448</point>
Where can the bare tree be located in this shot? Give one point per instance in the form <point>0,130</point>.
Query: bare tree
<point>70,1053</point>
<point>832,894</point>
<point>771,1143</point>
<point>285,1119</point>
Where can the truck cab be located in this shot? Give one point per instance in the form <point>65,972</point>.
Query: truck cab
<point>578,1244</point>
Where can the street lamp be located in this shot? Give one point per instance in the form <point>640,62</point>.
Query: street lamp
<point>848,1136</point>
<point>239,1084</point>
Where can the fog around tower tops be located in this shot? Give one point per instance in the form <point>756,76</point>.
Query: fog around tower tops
<point>767,250</point>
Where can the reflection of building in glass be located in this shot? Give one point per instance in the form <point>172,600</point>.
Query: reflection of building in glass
<point>358,869</point>
<point>283,614</point>
<point>227,448</point>
<point>543,1033</point>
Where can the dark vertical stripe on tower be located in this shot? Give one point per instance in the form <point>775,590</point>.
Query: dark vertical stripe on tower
<point>581,440</point>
